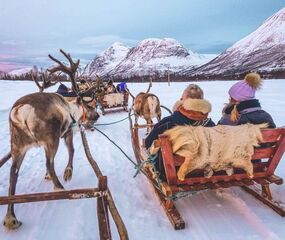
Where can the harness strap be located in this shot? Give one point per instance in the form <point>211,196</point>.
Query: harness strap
<point>84,112</point>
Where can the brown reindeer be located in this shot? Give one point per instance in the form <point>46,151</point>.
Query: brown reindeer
<point>147,106</point>
<point>41,119</point>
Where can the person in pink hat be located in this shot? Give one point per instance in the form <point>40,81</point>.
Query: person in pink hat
<point>243,106</point>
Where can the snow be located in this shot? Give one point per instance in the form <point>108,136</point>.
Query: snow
<point>149,56</point>
<point>20,71</point>
<point>270,33</point>
<point>262,50</point>
<point>108,59</point>
<point>220,214</point>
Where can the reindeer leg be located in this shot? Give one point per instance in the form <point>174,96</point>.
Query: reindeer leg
<point>10,220</point>
<point>47,175</point>
<point>50,150</point>
<point>136,118</point>
<point>158,117</point>
<point>69,144</point>
<point>185,168</point>
<point>148,121</point>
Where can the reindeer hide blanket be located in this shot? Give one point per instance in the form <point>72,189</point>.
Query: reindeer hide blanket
<point>114,99</point>
<point>215,148</point>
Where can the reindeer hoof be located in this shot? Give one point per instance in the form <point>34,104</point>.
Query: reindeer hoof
<point>208,173</point>
<point>11,222</point>
<point>58,188</point>
<point>47,176</point>
<point>229,171</point>
<point>67,174</point>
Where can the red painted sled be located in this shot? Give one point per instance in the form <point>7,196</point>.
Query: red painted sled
<point>258,186</point>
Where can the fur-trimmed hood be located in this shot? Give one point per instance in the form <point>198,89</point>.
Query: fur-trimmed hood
<point>197,105</point>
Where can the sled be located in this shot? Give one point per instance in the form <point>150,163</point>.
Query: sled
<point>270,154</point>
<point>121,105</point>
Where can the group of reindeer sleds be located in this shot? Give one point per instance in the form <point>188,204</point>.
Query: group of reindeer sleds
<point>90,93</point>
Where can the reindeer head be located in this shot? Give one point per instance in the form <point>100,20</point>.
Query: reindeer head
<point>84,91</point>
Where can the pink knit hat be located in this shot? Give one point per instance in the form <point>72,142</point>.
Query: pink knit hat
<point>245,89</point>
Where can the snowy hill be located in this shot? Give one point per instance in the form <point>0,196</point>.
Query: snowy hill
<point>213,214</point>
<point>19,72</point>
<point>150,57</point>
<point>108,59</point>
<point>262,50</point>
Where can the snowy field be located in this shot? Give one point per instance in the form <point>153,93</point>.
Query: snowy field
<point>220,214</point>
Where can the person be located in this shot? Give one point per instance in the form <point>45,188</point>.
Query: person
<point>191,109</point>
<point>121,87</point>
<point>110,87</point>
<point>243,107</point>
<point>65,91</point>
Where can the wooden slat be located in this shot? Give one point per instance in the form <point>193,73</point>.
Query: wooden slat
<point>219,178</point>
<point>102,211</point>
<point>166,151</point>
<point>260,153</point>
<point>274,161</point>
<point>38,197</point>
<point>272,135</point>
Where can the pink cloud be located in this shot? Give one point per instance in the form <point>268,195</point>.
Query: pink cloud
<point>6,56</point>
<point>8,66</point>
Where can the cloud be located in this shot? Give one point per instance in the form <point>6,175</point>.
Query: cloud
<point>213,47</point>
<point>13,42</point>
<point>9,62</point>
<point>9,66</point>
<point>101,42</point>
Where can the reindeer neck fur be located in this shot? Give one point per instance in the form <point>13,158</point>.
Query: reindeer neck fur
<point>76,110</point>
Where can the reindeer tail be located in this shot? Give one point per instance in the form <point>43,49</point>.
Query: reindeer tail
<point>149,86</point>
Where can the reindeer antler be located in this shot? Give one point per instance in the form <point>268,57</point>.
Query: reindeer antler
<point>70,71</point>
<point>46,79</point>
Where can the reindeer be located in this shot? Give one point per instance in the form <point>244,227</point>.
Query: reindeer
<point>41,119</point>
<point>147,106</point>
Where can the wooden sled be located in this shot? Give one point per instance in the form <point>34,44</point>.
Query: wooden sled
<point>258,186</point>
<point>122,106</point>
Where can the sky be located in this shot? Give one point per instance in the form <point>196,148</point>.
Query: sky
<point>31,29</point>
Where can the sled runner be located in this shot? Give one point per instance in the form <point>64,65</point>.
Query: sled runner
<point>271,153</point>
<point>114,102</point>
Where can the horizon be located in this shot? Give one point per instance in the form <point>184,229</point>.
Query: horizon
<point>45,27</point>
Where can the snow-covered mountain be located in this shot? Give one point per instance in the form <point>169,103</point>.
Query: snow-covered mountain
<point>21,71</point>
<point>263,50</point>
<point>108,60</point>
<point>150,57</point>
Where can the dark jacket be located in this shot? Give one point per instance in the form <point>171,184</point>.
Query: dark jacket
<point>64,91</point>
<point>173,120</point>
<point>249,112</point>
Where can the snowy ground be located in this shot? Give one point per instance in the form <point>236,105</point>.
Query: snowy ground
<point>221,214</point>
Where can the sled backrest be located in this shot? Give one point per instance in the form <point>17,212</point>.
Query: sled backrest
<point>270,152</point>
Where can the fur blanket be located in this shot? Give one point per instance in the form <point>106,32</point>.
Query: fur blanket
<point>114,99</point>
<point>215,148</point>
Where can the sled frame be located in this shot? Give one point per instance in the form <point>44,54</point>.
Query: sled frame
<point>105,203</point>
<point>258,186</point>
<point>168,205</point>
